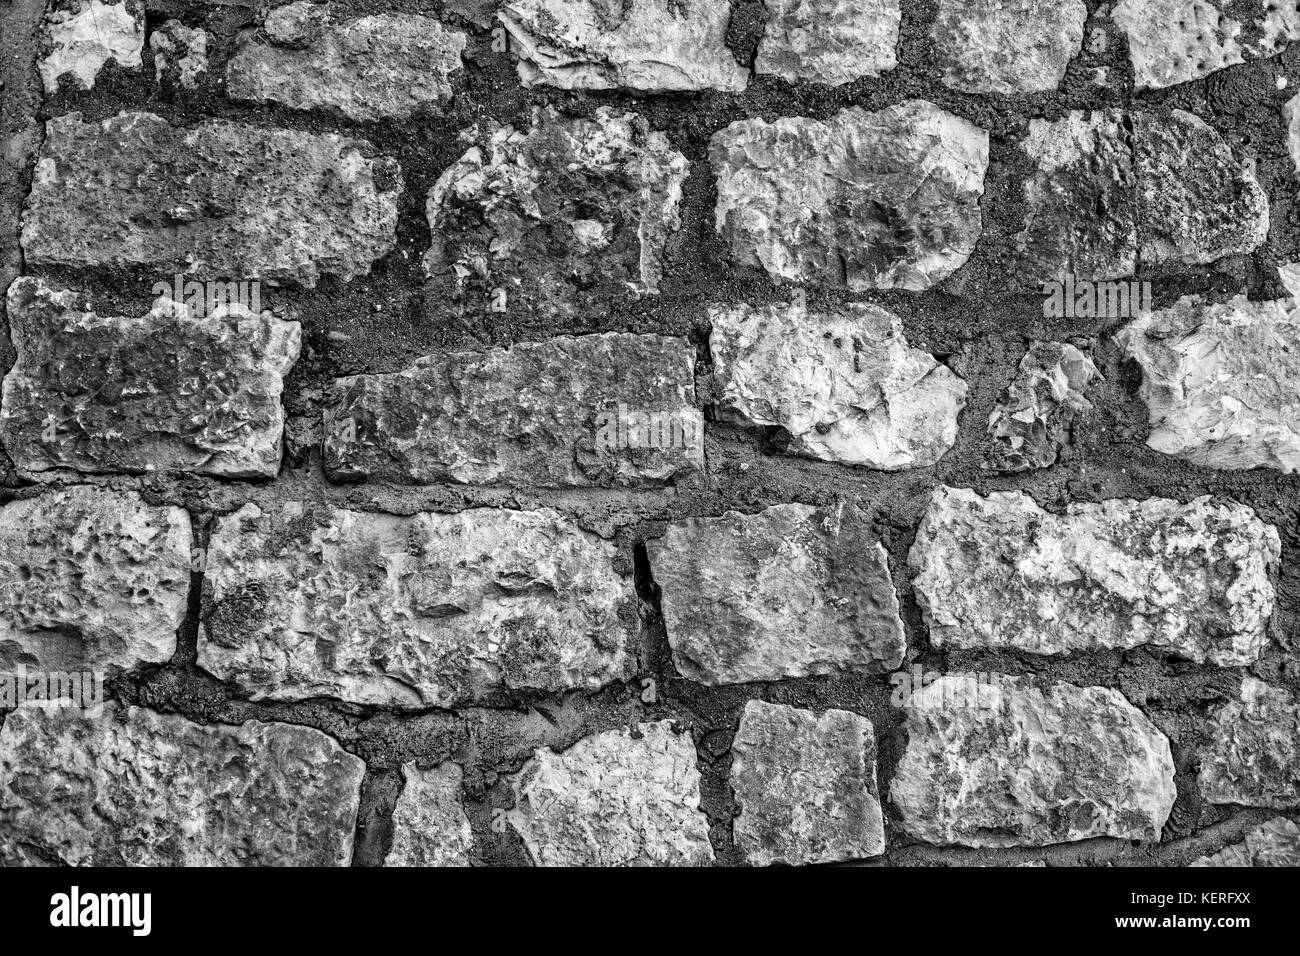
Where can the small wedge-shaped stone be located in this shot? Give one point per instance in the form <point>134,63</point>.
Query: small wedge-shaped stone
<point>844,384</point>
<point>1032,419</point>
<point>1030,766</point>
<point>135,788</point>
<point>793,591</point>
<point>168,391</point>
<point>84,38</point>
<point>829,41</point>
<point>420,611</point>
<point>1275,843</point>
<point>999,572</point>
<point>1007,46</point>
<point>429,823</point>
<point>1252,751</point>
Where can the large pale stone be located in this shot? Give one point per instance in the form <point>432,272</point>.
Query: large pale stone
<point>860,201</point>
<point>91,577</point>
<point>806,786</point>
<point>1251,754</point>
<point>845,384</point>
<point>83,39</point>
<point>544,414</point>
<point>1031,767</point>
<point>168,391</point>
<point>1033,418</point>
<point>1220,381</point>
<point>999,572</point>
<point>1007,46</point>
<point>421,611</point>
<point>429,823</point>
<point>1275,843</point>
<point>220,200</point>
<point>619,798</point>
<point>792,591</point>
<point>829,41</point>
<point>135,788</point>
<point>651,46</point>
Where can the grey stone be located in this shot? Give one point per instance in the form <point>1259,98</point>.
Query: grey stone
<point>1275,843</point>
<point>1007,46</point>
<point>618,798</point>
<point>999,572</point>
<point>792,591</point>
<point>829,41</point>
<point>179,52</point>
<point>1032,420</point>
<point>85,36</point>
<point>806,786</point>
<point>844,384</point>
<point>1291,116</point>
<point>429,823</point>
<point>1251,754</point>
<point>861,201</point>
<point>1031,767</point>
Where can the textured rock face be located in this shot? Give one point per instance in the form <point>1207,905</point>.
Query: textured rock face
<point>1220,380</point>
<point>1000,572</point>
<point>614,799</point>
<point>135,788</point>
<point>864,200</point>
<point>221,200</point>
<point>84,38</point>
<point>845,385</point>
<point>1252,753</point>
<point>1033,767</point>
<point>544,414</point>
<point>1291,116</point>
<point>1275,843</point>
<point>1007,46</point>
<point>179,53</point>
<point>91,577</point>
<point>563,213</point>
<point>422,611</point>
<point>792,591</point>
<point>169,391</point>
<point>369,68</point>
<point>1032,419</point>
<point>652,46</point>
<point>429,823</point>
<point>806,786</point>
<point>829,41</point>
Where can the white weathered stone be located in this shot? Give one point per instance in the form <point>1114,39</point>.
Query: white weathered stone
<point>1252,751</point>
<point>829,41</point>
<point>845,384</point>
<point>1275,843</point>
<point>429,823</point>
<point>176,47</point>
<point>1007,46</point>
<point>82,42</point>
<point>1291,115</point>
<point>999,572</point>
<point>1033,418</point>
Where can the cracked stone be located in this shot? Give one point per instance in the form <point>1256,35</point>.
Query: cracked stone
<point>81,42</point>
<point>1033,418</point>
<point>1007,46</point>
<point>179,52</point>
<point>1275,843</point>
<point>1252,752</point>
<point>829,41</point>
<point>430,827</point>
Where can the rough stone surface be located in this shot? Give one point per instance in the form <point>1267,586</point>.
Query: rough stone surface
<point>1034,767</point>
<point>1220,381</point>
<point>1291,116</point>
<point>999,572</point>
<point>619,798</point>
<point>1275,843</point>
<point>806,786</point>
<point>368,68</point>
<point>1007,46</point>
<point>792,591</point>
<point>91,577</point>
<point>421,611</point>
<point>829,41</point>
<point>533,414</point>
<point>429,823</point>
<point>179,53</point>
<point>85,37</point>
<point>135,788</point>
<point>651,46</point>
<point>845,385</point>
<point>863,200</point>
<point>1032,419</point>
<point>1252,751</point>
<point>220,200</point>
<point>168,391</point>
<point>548,218</point>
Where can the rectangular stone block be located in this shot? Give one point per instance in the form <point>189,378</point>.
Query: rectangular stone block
<point>429,823</point>
<point>1251,754</point>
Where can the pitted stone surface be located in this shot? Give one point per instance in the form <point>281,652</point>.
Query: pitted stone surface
<point>167,391</point>
<point>861,201</point>
<point>220,200</point>
<point>86,36</point>
<point>999,572</point>
<point>845,385</point>
<point>1032,419</point>
<point>534,413</point>
<point>1275,843</point>
<point>1007,46</point>
<point>422,611</point>
<point>179,53</point>
<point>429,823</point>
<point>829,41</point>
<point>792,591</point>
<point>1251,754</point>
<point>135,788</point>
<point>806,786</point>
<point>1032,767</point>
<point>618,798</point>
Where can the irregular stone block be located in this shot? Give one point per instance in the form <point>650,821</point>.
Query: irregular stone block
<point>423,611</point>
<point>90,578</point>
<point>999,572</point>
<point>1033,767</point>
<point>863,200</point>
<point>179,52</point>
<point>1007,46</point>
<point>618,798</point>
<point>87,35</point>
<point>1275,843</point>
<point>806,786</point>
<point>135,788</point>
<point>829,41</point>
<point>169,391</point>
<point>219,200</point>
<point>1291,116</point>
<point>429,823</point>
<point>1033,418</point>
<point>545,414</point>
<point>793,591</point>
<point>1252,751</point>
<point>845,384</point>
